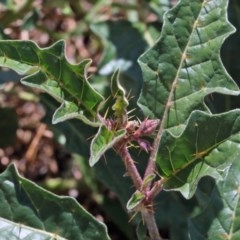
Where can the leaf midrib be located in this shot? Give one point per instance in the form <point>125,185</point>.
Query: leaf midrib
<point>184,54</point>
<point>206,153</point>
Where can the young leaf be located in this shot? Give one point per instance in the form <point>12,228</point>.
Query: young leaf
<point>33,210</point>
<point>135,200</point>
<point>206,147</point>
<point>104,140</point>
<point>184,65</point>
<point>49,70</point>
<point>121,102</point>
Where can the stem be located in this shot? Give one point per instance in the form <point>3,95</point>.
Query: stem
<point>130,166</point>
<point>156,144</point>
<point>147,211</point>
<point>149,220</point>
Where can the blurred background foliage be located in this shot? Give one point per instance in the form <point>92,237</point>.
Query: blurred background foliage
<point>113,33</point>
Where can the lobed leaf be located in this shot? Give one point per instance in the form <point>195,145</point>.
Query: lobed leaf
<point>48,69</point>
<point>206,147</point>
<point>184,65</point>
<point>37,212</point>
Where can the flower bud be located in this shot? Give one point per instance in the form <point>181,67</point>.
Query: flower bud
<point>147,127</point>
<point>144,145</point>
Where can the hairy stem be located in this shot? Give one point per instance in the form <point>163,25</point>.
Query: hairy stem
<point>147,210</point>
<point>156,143</point>
<point>149,220</point>
<point>130,166</point>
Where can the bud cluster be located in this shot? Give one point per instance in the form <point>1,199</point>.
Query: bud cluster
<point>136,130</point>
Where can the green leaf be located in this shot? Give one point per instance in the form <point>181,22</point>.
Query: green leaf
<point>104,140</point>
<point>40,212</point>
<point>135,200</point>
<point>49,70</point>
<point>8,126</point>
<point>219,216</point>
<point>206,147</point>
<point>184,65</point>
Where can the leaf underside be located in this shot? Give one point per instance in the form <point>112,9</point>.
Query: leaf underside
<point>48,69</point>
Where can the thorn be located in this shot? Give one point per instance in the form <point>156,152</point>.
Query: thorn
<point>133,216</point>
<point>91,137</point>
<point>106,113</point>
<point>130,111</point>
